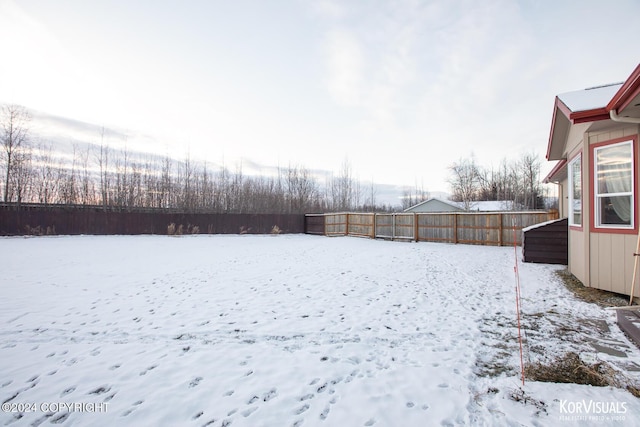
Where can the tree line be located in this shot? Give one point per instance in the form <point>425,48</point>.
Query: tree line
<point>98,175</point>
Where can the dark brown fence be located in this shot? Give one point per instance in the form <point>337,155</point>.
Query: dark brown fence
<point>478,228</point>
<point>61,219</point>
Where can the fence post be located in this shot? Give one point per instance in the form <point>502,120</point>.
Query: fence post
<point>373,232</point>
<point>347,226</point>
<point>500,228</point>
<point>416,231</point>
<point>324,217</point>
<point>455,228</point>
<point>393,226</point>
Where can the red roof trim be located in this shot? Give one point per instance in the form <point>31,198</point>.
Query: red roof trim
<point>557,168</point>
<point>557,105</point>
<point>563,107</point>
<point>589,115</point>
<point>629,90</point>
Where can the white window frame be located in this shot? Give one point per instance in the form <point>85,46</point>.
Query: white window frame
<point>597,196</point>
<point>576,161</point>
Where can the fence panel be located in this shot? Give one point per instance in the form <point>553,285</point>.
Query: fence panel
<point>479,229</point>
<point>384,226</point>
<point>437,228</point>
<point>405,226</point>
<point>336,224</point>
<point>361,224</point>
<point>314,224</point>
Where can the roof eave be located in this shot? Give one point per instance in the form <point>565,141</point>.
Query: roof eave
<point>589,115</point>
<point>627,92</point>
<point>557,169</point>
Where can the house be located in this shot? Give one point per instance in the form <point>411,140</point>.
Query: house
<point>594,139</point>
<point>435,205</point>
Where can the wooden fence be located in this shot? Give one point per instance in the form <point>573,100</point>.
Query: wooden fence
<point>477,228</point>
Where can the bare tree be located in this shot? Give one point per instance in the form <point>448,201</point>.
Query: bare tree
<point>342,188</point>
<point>300,189</point>
<point>464,181</point>
<point>47,183</point>
<point>530,166</point>
<point>14,134</point>
<point>21,176</point>
<point>103,164</point>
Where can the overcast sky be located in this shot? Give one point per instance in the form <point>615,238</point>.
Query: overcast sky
<point>402,89</point>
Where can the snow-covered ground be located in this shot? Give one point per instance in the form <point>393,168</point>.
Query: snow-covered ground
<point>290,330</point>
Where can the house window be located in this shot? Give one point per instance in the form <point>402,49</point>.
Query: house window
<point>575,191</point>
<point>614,204</point>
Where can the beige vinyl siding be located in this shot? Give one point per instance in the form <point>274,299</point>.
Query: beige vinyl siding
<point>611,259</point>
<point>612,262</point>
<point>577,256</point>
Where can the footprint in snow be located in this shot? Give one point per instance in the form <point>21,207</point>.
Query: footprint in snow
<point>301,409</point>
<point>270,395</point>
<point>67,391</point>
<point>370,422</point>
<point>194,382</point>
<point>60,418</point>
<point>133,408</point>
<point>100,390</point>
<point>325,413</point>
<point>150,368</point>
<point>248,412</point>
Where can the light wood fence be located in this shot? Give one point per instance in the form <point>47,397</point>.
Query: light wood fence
<point>477,228</point>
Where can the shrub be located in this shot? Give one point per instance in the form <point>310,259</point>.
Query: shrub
<point>171,229</point>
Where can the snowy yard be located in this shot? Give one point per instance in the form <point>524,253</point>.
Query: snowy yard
<point>289,330</point>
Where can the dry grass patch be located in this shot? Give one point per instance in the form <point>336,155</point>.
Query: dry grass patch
<point>592,295</point>
<point>570,368</point>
